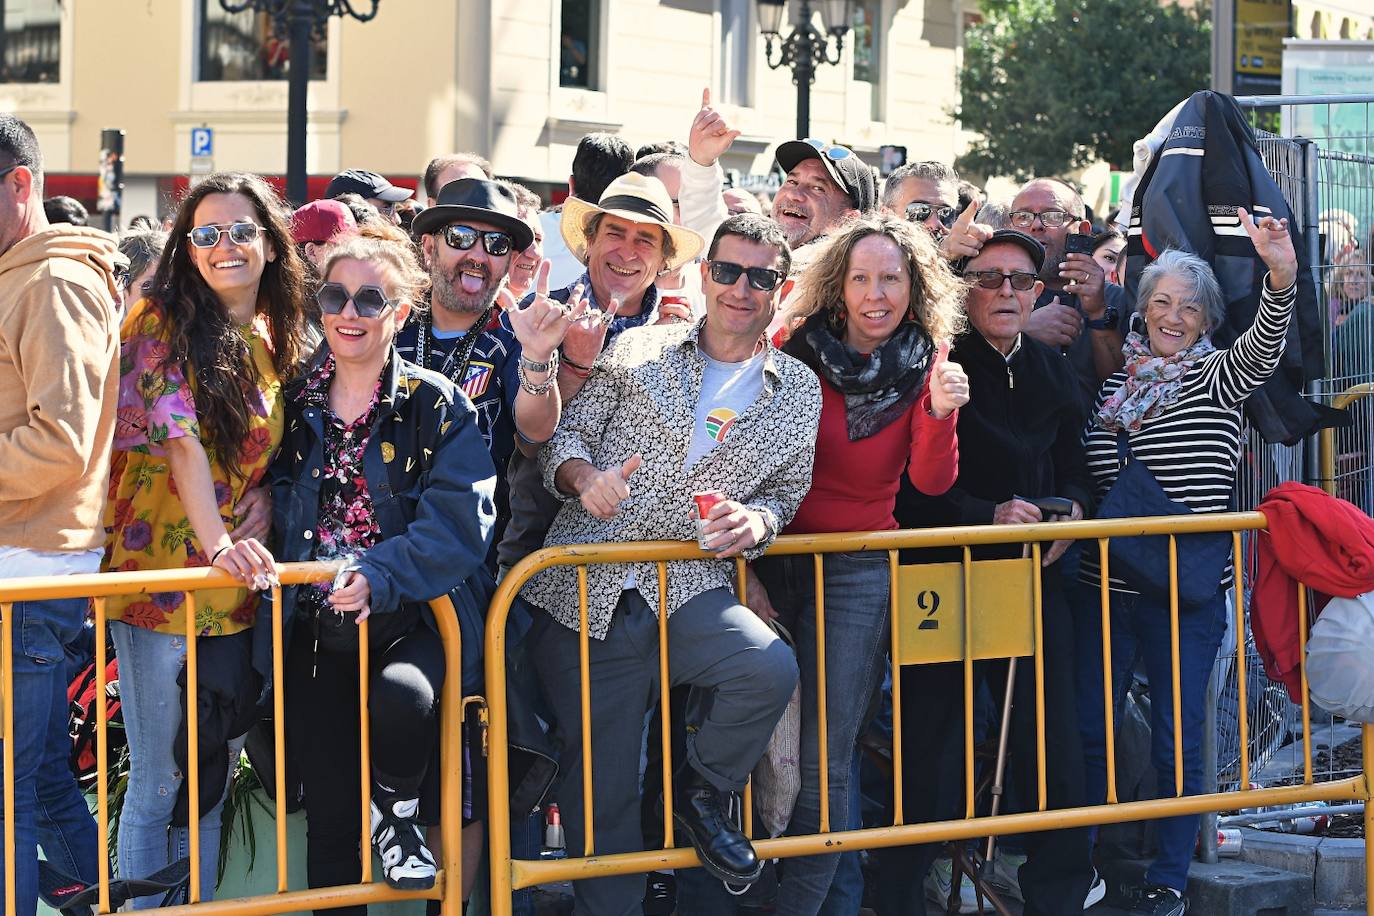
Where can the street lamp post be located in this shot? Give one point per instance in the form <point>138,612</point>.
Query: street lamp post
<point>805,48</point>
<point>299,20</point>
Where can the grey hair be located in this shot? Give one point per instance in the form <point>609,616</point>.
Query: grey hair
<point>937,172</point>
<point>1194,272</point>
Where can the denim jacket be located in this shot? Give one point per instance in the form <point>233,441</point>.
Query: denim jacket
<point>432,485</point>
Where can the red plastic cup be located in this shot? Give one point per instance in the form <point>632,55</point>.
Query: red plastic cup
<point>702,502</point>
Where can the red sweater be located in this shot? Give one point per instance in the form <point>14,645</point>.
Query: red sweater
<point>854,484</point>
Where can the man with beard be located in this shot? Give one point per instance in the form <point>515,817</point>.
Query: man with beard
<point>1079,312</point>
<point>504,358</point>
<point>825,183</point>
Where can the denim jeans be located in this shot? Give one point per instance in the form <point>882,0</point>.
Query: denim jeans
<point>846,895</point>
<point>50,810</point>
<point>1140,631</point>
<point>148,666</point>
<point>856,643</point>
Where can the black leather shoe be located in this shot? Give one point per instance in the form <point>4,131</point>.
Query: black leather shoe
<point>701,810</point>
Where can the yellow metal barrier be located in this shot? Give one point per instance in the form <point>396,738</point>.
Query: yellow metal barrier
<point>967,641</point>
<point>448,886</point>
<point>1326,445</point>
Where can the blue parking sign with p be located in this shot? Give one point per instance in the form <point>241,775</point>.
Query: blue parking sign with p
<point>202,141</point>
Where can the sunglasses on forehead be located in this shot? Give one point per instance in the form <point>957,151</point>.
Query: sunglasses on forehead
<point>462,238</point>
<point>242,232</point>
<point>920,211</point>
<point>829,150</point>
<point>368,301</point>
<point>760,278</point>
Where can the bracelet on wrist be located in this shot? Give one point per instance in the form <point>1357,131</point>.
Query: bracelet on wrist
<point>577,370</point>
<point>220,551</point>
<point>538,389</point>
<point>575,365</point>
<point>549,365</point>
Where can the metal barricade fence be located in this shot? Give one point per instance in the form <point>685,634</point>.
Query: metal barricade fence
<point>1007,625</point>
<point>98,587</point>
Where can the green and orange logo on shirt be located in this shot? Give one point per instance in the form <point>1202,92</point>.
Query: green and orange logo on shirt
<point>719,421</point>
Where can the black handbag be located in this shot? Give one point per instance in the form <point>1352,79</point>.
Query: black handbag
<point>1142,562</point>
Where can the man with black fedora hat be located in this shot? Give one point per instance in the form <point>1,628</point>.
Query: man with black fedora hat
<point>502,356</point>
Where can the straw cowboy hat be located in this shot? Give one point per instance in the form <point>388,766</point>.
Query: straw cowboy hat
<point>639,199</point>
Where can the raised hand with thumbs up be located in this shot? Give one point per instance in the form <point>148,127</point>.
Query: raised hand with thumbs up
<point>948,385</point>
<point>601,492</point>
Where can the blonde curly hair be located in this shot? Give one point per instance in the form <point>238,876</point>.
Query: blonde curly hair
<point>937,295</point>
<point>389,247</point>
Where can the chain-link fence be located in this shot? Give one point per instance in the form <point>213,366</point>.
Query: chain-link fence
<point>1324,164</point>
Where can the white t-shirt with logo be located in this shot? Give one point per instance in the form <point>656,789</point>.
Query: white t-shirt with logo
<point>727,390</point>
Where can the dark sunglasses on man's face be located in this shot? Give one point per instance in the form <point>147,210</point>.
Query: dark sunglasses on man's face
<point>242,232</point>
<point>462,238</point>
<point>920,211</point>
<point>368,301</point>
<point>760,278</point>
<point>992,279</point>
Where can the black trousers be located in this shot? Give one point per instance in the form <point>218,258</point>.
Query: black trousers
<point>322,721</point>
<point>1058,869</point>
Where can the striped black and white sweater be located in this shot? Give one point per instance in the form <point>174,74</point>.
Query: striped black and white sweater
<point>1193,447</point>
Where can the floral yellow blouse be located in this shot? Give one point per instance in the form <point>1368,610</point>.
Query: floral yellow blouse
<point>146,525</point>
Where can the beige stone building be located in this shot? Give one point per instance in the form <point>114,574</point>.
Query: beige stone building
<point>518,81</point>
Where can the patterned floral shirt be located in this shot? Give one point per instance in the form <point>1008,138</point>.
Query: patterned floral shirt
<point>347,525</point>
<point>146,524</point>
<point>642,398</point>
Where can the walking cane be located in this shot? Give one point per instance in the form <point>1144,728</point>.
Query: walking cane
<point>1049,507</point>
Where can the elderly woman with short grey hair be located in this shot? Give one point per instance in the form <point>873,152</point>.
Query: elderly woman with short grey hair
<point>1178,401</point>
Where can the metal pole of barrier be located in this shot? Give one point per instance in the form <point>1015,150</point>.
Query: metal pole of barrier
<point>1109,695</point>
<point>822,735</point>
<point>498,767</point>
<point>451,714</point>
<point>102,759</point>
<point>1208,827</point>
<point>896,628</point>
<point>192,748</point>
<point>279,734</point>
<point>365,752</point>
<point>1039,672</point>
<point>1174,652</point>
<point>741,586</point>
<point>1302,668</point>
<point>1367,760</point>
<point>584,662</point>
<point>7,698</point>
<point>968,682</point>
<point>665,729</point>
<point>1241,683</point>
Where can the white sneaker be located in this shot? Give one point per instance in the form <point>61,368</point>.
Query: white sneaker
<point>1006,867</point>
<point>1096,891</point>
<point>938,882</point>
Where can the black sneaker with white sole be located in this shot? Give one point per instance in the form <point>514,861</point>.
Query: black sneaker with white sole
<point>1161,901</point>
<point>407,864</point>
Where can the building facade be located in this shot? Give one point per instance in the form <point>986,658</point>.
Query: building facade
<point>519,82</point>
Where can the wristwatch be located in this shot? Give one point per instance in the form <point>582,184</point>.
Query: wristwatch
<point>1109,321</point>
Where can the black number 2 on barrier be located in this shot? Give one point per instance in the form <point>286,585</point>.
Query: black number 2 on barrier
<point>929,601</point>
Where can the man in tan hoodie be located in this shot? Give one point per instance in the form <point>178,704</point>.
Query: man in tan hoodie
<point>59,379</point>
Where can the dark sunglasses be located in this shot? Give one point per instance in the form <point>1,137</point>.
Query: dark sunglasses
<point>462,238</point>
<point>760,278</point>
<point>992,279</point>
<point>369,301</point>
<point>920,211</point>
<point>242,232</point>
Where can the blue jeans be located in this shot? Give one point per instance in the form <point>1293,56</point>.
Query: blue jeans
<point>148,666</point>
<point>846,894</point>
<point>1140,631</point>
<point>856,643</point>
<point>50,810</point>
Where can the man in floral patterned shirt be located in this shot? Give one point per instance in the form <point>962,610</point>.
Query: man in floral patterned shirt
<point>670,411</point>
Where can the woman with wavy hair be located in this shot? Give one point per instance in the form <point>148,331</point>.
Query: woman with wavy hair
<point>879,308</point>
<point>203,358</point>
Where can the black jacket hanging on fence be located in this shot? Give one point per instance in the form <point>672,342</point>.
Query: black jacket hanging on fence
<point>1187,199</point>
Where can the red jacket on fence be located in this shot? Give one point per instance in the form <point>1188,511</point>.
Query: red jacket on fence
<point>1314,539</point>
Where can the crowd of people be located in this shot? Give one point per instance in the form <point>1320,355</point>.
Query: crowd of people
<point>430,390</point>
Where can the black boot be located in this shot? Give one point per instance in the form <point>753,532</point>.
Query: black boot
<point>701,809</point>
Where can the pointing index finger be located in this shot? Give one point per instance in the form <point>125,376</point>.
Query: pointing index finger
<point>966,218</point>
<point>706,97</point>
<point>542,278</point>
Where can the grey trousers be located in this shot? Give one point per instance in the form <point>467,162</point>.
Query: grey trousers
<point>741,676</point>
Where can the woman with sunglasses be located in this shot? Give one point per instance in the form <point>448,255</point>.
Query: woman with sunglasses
<point>383,467</point>
<point>200,416</point>
<point>880,306</point>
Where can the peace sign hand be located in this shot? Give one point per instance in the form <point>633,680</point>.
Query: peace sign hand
<point>1274,245</point>
<point>543,324</point>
